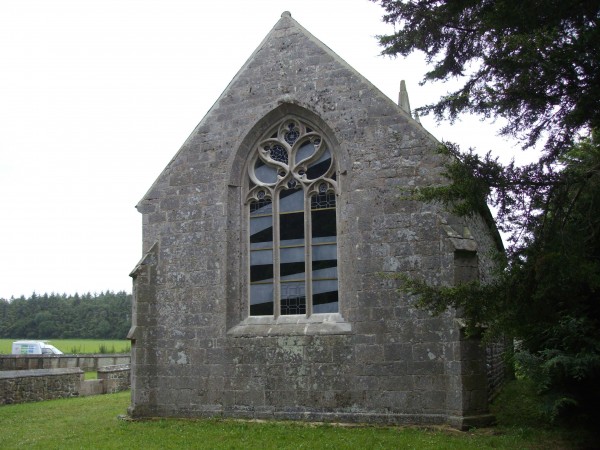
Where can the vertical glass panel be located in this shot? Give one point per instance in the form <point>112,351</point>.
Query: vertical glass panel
<point>288,248</point>
<point>261,299</point>
<point>291,200</point>
<point>261,207</point>
<point>324,252</point>
<point>261,231</point>
<point>325,296</point>
<point>265,173</point>
<point>292,266</point>
<point>305,151</point>
<point>293,298</point>
<point>261,257</point>
<point>319,167</point>
<point>261,265</point>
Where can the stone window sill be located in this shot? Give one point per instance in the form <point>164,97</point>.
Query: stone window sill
<point>317,324</point>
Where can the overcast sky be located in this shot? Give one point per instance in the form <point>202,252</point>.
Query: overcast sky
<point>97,96</point>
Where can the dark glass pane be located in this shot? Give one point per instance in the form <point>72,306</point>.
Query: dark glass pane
<point>265,173</point>
<point>291,200</point>
<point>261,299</point>
<point>325,302</point>
<point>261,309</point>
<point>261,272</point>
<point>294,268</point>
<point>261,221</point>
<point>265,235</point>
<point>306,150</point>
<point>291,226</point>
<point>323,223</point>
<point>262,235</point>
<point>324,252</point>
<point>323,264</point>
<point>319,167</point>
<point>261,258</point>
<point>292,256</point>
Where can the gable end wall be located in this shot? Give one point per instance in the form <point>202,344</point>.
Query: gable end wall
<point>387,361</point>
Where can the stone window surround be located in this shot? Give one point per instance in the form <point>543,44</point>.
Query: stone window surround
<point>316,323</point>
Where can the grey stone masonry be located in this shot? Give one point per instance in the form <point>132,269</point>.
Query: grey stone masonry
<point>88,362</point>
<point>197,351</point>
<point>20,386</point>
<point>115,378</point>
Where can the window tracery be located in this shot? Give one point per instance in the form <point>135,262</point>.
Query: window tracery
<point>291,201</point>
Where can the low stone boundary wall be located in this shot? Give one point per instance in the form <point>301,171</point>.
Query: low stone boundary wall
<point>88,363</point>
<point>115,378</point>
<point>20,386</point>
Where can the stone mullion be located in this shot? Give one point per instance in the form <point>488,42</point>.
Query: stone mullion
<point>308,252</point>
<point>276,257</point>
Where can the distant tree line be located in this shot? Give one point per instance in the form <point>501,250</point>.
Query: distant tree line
<point>54,316</point>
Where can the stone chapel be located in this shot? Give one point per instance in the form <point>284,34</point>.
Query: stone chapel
<point>262,292</point>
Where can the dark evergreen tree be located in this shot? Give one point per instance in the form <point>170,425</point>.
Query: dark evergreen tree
<point>534,64</point>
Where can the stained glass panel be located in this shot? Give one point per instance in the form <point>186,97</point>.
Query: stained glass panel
<point>288,163</point>
<point>319,167</point>
<point>293,298</point>
<point>265,173</point>
<point>306,150</point>
<point>324,252</point>
<point>292,251</point>
<point>261,257</point>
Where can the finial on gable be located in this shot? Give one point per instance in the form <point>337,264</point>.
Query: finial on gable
<point>403,101</point>
<point>286,14</point>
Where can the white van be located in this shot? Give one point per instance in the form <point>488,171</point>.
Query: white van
<point>34,348</point>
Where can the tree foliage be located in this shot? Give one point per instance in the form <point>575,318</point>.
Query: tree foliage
<point>547,294</point>
<point>534,64</point>
<point>51,316</point>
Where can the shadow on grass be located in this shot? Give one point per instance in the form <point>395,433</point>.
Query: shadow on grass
<point>520,407</point>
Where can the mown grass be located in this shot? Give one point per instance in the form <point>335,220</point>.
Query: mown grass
<point>92,422</point>
<point>77,346</point>
<point>91,375</point>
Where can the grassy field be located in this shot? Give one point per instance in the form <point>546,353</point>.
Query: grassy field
<point>92,422</point>
<point>77,345</point>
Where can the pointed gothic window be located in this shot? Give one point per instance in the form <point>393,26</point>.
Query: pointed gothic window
<point>292,242</point>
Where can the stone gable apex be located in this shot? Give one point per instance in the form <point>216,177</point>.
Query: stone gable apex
<point>279,60</point>
<point>278,40</point>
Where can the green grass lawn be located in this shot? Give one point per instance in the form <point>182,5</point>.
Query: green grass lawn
<point>92,422</point>
<point>78,346</point>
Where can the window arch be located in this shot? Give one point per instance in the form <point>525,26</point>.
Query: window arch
<point>292,239</point>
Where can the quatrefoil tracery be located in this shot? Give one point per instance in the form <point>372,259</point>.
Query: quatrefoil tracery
<point>294,155</point>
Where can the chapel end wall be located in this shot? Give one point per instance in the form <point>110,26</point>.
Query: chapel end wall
<point>394,362</point>
<point>397,359</point>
